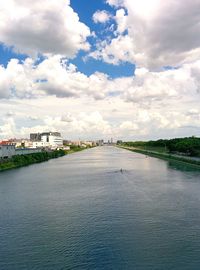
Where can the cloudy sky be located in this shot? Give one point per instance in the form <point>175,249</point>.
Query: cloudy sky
<point>127,69</point>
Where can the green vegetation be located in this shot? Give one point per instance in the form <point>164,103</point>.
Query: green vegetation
<point>189,146</point>
<point>165,156</point>
<point>24,160</point>
<point>179,149</point>
<point>75,148</point>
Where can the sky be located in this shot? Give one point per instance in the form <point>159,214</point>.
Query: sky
<point>122,69</point>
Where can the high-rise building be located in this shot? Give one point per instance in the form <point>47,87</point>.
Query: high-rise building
<point>47,139</point>
<point>53,138</point>
<point>35,137</point>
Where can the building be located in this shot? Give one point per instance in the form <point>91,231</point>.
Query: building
<point>40,144</point>
<point>35,137</point>
<point>87,143</point>
<point>100,142</point>
<point>67,142</point>
<point>22,143</point>
<point>51,140</point>
<point>7,149</point>
<point>77,143</point>
<point>66,147</point>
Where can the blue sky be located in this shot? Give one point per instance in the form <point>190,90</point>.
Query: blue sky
<point>85,10</point>
<point>90,65</point>
<point>127,69</point>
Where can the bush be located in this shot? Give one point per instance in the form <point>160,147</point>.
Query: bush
<point>23,160</point>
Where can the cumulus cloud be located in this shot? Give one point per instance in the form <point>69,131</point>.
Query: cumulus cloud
<point>52,76</point>
<point>161,33</point>
<point>83,125</point>
<point>178,84</point>
<point>116,51</point>
<point>10,114</point>
<point>101,16</point>
<point>67,118</point>
<point>5,88</point>
<point>49,28</point>
<point>152,34</point>
<point>121,20</point>
<point>55,76</point>
<point>8,128</point>
<point>115,3</point>
<point>84,118</point>
<point>17,79</point>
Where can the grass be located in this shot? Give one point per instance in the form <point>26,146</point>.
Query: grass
<point>165,156</point>
<point>153,149</point>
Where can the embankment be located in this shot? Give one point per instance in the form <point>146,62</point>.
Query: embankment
<point>25,160</point>
<point>166,156</point>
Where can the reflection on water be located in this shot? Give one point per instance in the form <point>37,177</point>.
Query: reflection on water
<point>82,212</point>
<point>177,165</point>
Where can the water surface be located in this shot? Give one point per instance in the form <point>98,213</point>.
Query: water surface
<point>82,212</point>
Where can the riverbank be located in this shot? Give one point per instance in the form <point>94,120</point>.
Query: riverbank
<point>74,149</point>
<point>25,160</point>
<point>165,156</point>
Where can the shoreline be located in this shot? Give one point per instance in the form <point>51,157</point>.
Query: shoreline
<point>25,160</point>
<point>165,156</point>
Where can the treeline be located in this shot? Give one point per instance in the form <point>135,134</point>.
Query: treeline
<point>189,146</point>
<point>24,160</point>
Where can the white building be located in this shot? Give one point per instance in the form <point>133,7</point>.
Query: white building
<point>7,150</point>
<point>54,139</point>
<point>22,143</point>
<point>51,140</point>
<point>40,144</point>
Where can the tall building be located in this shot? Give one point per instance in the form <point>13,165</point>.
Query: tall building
<point>53,138</point>
<point>100,142</point>
<point>7,149</point>
<point>47,139</point>
<point>35,137</point>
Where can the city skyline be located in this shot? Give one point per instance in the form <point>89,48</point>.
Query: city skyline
<point>100,69</point>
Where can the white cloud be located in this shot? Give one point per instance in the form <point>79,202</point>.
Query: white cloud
<point>119,49</point>
<point>59,78</point>
<point>52,76</point>
<point>18,79</point>
<point>50,27</point>
<point>56,77</point>
<point>121,20</point>
<point>8,128</point>
<point>116,3</point>
<point>79,125</point>
<point>4,83</point>
<point>68,118</point>
<point>129,125</point>
<point>101,16</point>
<point>54,95</point>
<point>105,118</point>
<point>161,33</point>
<point>178,84</point>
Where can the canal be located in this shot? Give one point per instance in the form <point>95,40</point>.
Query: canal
<point>83,212</point>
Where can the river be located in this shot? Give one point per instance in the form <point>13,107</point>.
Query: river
<point>81,212</point>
